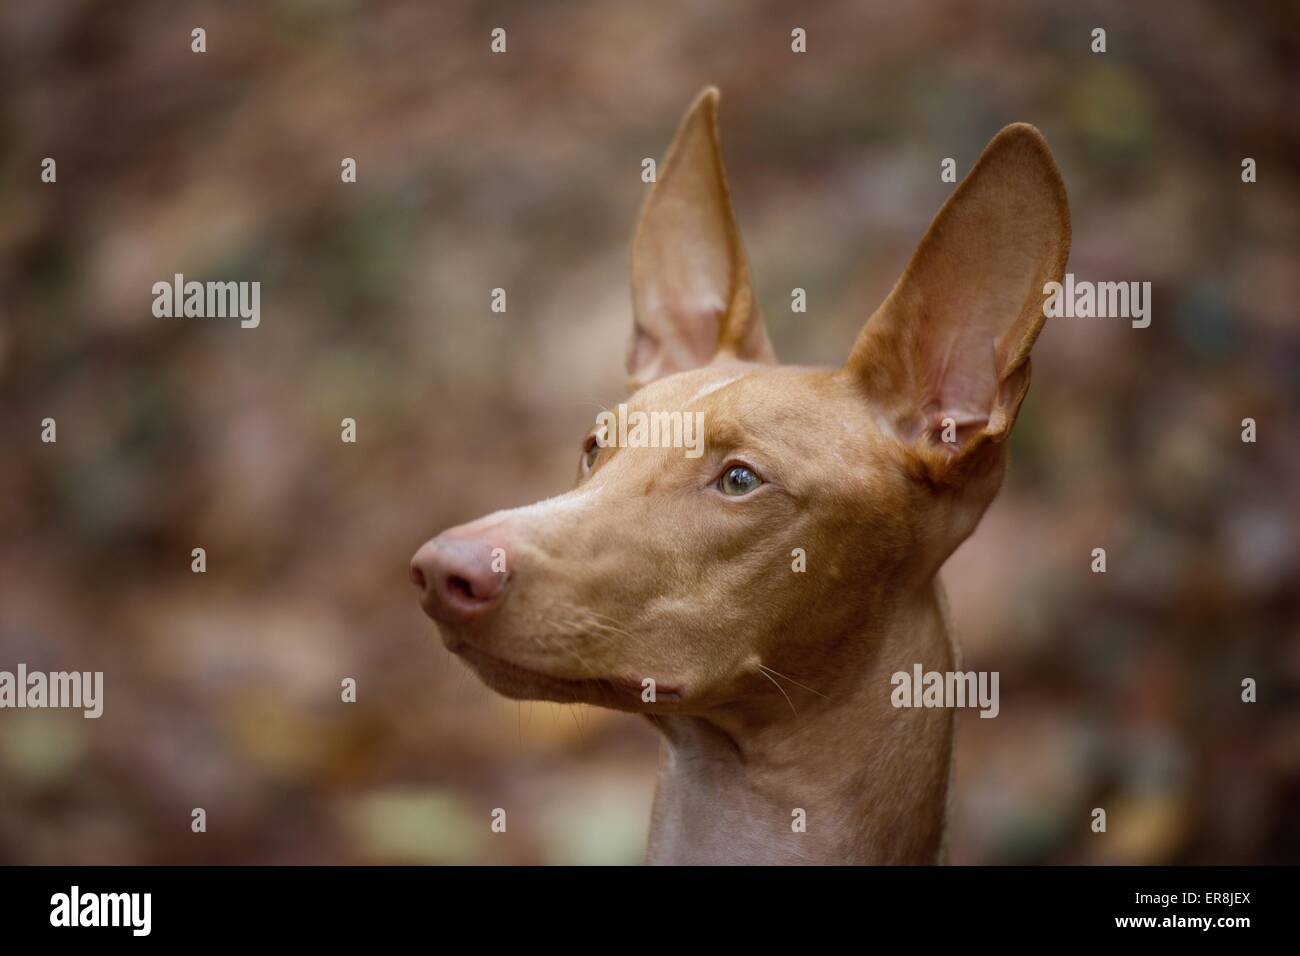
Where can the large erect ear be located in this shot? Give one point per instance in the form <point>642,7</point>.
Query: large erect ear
<point>691,296</point>
<point>947,353</point>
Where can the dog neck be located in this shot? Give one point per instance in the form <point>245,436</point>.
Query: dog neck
<point>871,779</point>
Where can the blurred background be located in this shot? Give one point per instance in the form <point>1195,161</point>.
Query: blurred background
<point>222,690</point>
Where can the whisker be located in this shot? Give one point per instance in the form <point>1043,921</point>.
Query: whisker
<point>557,631</point>
<point>793,681</point>
<point>608,629</point>
<point>608,622</point>
<point>782,690</point>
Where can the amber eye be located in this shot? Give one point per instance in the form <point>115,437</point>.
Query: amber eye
<point>590,452</point>
<point>738,480</point>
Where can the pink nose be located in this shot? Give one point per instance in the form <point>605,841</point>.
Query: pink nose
<point>456,580</point>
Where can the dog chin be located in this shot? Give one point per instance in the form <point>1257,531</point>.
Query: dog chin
<point>519,682</point>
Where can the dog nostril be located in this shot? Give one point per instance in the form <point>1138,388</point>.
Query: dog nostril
<point>457,583</point>
<point>456,580</point>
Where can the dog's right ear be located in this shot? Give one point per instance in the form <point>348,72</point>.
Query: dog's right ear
<point>691,296</point>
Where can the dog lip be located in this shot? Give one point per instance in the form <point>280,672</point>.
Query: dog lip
<point>476,655</point>
<point>662,691</point>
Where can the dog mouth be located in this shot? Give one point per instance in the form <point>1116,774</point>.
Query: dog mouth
<point>525,683</point>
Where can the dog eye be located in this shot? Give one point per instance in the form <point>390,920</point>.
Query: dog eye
<point>738,480</point>
<point>590,452</point>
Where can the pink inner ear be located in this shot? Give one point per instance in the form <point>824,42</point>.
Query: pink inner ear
<point>641,356</point>
<point>940,427</point>
<point>685,288</point>
<point>678,327</point>
<point>962,388</point>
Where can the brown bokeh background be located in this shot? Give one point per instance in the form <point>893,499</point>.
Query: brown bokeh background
<point>522,171</point>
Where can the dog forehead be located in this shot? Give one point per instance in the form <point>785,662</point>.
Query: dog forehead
<point>737,385</point>
<point>685,391</point>
<point>800,405</point>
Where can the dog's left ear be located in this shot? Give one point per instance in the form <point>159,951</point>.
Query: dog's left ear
<point>947,353</point>
<point>691,295</point>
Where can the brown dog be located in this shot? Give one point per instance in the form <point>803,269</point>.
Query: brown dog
<point>670,583</point>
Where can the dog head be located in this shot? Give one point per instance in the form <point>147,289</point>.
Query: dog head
<point>734,515</point>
